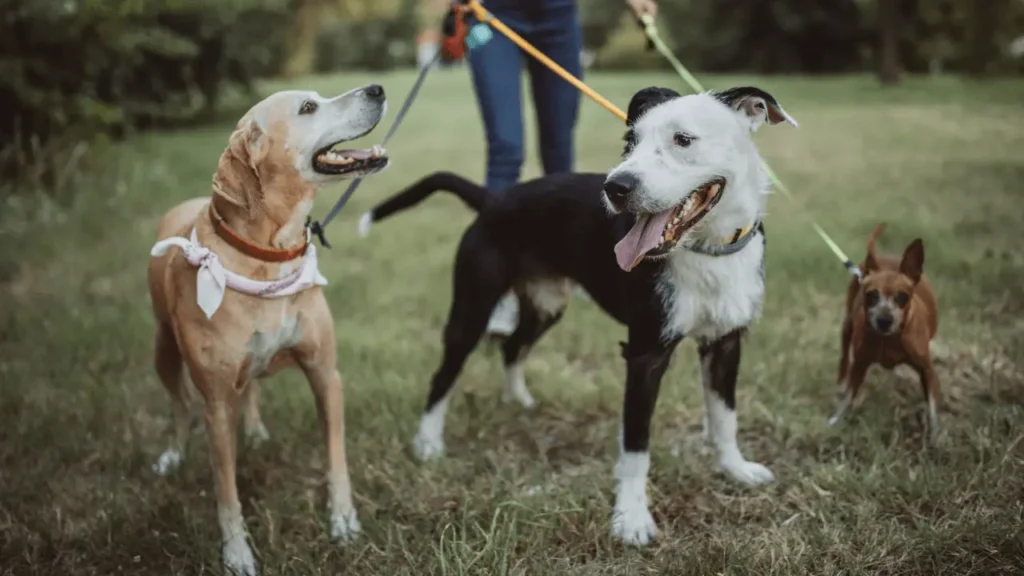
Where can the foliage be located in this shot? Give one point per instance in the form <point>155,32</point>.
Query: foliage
<point>78,68</point>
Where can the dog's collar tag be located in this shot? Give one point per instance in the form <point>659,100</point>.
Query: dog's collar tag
<point>737,242</point>
<point>478,35</point>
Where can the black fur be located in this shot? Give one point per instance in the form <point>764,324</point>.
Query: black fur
<point>551,227</point>
<point>721,360</point>
<point>641,102</point>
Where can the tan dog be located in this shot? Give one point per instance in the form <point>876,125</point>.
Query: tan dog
<point>246,302</point>
<point>891,318</point>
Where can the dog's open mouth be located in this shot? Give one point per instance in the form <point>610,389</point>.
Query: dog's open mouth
<point>335,162</point>
<point>657,234</point>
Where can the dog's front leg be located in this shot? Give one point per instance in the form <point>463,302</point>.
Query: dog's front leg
<point>325,382</point>
<point>221,419</point>
<point>720,366</point>
<point>631,519</point>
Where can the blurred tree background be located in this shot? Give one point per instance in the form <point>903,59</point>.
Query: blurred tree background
<point>74,71</point>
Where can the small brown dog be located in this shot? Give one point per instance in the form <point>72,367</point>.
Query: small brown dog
<point>236,290</point>
<point>891,318</point>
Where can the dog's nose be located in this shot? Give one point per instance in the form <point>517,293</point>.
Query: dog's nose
<point>375,91</point>
<point>883,323</point>
<point>618,188</point>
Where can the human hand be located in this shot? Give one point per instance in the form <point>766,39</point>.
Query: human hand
<point>643,7</point>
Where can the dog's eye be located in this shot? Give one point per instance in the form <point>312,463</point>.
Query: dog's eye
<point>682,140</point>
<point>871,297</point>
<point>308,107</point>
<point>901,299</point>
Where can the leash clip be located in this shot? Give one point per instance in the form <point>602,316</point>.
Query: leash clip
<point>317,229</point>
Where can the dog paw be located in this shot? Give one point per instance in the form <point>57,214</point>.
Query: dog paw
<point>345,527</point>
<point>427,448</point>
<point>168,462</point>
<point>520,395</point>
<point>634,525</point>
<point>238,558</point>
<point>747,473</point>
<point>257,435</point>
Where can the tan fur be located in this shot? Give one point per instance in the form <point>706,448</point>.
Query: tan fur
<point>261,196</point>
<point>862,346</point>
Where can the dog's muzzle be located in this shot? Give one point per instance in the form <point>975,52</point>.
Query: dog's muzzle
<point>618,188</point>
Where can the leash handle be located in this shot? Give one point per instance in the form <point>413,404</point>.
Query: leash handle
<point>317,227</point>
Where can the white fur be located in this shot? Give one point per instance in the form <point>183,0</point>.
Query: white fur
<point>721,425</point>
<point>365,222</point>
<point>515,386</point>
<point>238,557</point>
<point>429,440</point>
<point>551,296</point>
<point>265,345</point>
<point>631,520</point>
<point>168,462</point>
<point>345,526</point>
<point>338,119</point>
<point>707,297</point>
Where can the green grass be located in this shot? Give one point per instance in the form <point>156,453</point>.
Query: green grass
<point>82,415</point>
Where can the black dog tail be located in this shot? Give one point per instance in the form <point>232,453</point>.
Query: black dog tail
<point>474,195</point>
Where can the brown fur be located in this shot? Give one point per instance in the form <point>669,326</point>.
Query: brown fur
<point>862,346</point>
<point>260,195</point>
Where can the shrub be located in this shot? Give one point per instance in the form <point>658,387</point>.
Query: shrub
<point>76,69</point>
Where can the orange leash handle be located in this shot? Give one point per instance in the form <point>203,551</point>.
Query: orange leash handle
<point>484,16</point>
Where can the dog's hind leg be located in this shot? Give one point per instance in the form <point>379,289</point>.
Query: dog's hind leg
<point>480,280</point>
<point>541,307</point>
<point>720,365</point>
<point>170,368</point>
<point>255,432</point>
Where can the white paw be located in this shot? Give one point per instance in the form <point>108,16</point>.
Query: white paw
<point>345,526</point>
<point>834,419</point>
<point>634,526</point>
<point>256,436</point>
<point>427,447</point>
<point>747,473</point>
<point>521,395</point>
<point>238,558</point>
<point>167,462</point>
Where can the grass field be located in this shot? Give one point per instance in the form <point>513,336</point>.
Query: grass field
<point>82,415</point>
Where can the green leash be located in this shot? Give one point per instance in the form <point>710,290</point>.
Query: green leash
<point>652,34</point>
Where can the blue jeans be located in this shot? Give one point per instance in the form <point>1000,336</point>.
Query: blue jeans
<point>553,27</point>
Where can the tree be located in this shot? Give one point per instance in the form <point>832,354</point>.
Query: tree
<point>889,64</point>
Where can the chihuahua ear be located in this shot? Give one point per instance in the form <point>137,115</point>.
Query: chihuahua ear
<point>641,102</point>
<point>912,265</point>
<point>871,260</point>
<point>756,104</point>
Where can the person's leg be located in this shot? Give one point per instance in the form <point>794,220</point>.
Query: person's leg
<point>557,35</point>
<point>496,67</point>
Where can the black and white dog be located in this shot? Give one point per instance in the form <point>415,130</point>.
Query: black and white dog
<point>669,243</point>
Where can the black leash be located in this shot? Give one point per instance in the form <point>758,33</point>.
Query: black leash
<point>317,226</point>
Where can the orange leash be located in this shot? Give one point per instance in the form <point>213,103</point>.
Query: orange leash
<point>486,17</point>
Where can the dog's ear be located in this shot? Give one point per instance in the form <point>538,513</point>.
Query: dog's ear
<point>871,261</point>
<point>641,102</point>
<point>912,264</point>
<point>756,104</point>
<point>238,172</point>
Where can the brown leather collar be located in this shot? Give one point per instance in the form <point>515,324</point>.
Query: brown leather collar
<point>265,253</point>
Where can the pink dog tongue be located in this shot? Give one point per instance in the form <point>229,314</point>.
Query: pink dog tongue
<point>641,239</point>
